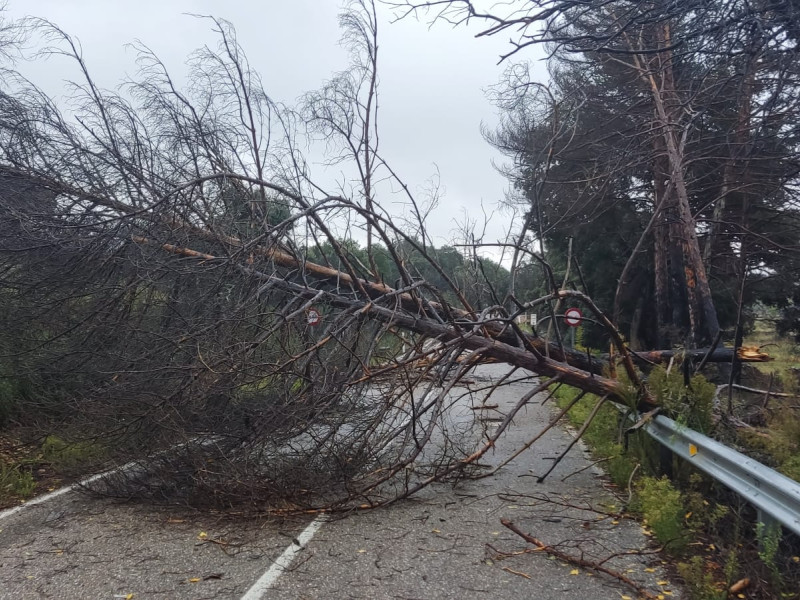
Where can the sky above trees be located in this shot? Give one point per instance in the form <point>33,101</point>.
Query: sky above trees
<point>433,80</point>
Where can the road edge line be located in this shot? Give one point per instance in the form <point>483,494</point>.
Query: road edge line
<point>49,496</point>
<point>282,563</point>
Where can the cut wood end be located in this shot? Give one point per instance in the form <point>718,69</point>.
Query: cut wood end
<point>739,586</point>
<point>752,354</point>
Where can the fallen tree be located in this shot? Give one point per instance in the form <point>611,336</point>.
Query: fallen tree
<point>158,266</point>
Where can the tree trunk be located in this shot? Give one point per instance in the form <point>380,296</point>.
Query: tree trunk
<point>702,313</point>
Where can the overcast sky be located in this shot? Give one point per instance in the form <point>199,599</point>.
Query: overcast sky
<point>432,80</point>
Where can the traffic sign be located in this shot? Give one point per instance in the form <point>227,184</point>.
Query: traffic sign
<point>573,317</point>
<point>313,317</point>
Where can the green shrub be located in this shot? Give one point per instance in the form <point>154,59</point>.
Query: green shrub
<point>779,444</point>
<point>791,467</point>
<point>63,455</point>
<point>15,482</point>
<point>691,405</point>
<point>769,539</point>
<point>663,508</point>
<point>699,582</point>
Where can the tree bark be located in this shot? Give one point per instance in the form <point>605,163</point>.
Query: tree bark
<point>657,73</point>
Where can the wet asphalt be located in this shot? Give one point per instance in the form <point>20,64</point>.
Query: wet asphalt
<point>446,542</point>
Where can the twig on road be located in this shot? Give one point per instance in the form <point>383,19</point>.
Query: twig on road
<point>520,573</point>
<point>581,562</point>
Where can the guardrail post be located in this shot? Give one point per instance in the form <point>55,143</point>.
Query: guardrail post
<point>665,461</point>
<point>768,532</point>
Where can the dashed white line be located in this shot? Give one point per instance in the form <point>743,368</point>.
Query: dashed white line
<point>44,498</point>
<point>281,565</point>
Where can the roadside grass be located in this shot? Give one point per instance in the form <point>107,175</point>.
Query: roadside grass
<point>705,529</point>
<point>775,436</point>
<point>68,457</point>
<point>785,353</point>
<point>27,470</point>
<point>16,483</point>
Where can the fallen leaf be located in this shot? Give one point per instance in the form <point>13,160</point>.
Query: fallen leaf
<point>662,582</point>
<point>436,531</point>
<point>574,572</point>
<point>796,559</point>
<point>202,535</point>
<point>615,522</point>
<point>624,597</point>
<point>362,551</point>
<point>688,515</point>
<point>194,579</point>
<point>649,570</point>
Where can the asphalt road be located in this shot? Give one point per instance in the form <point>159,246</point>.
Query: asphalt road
<point>447,542</point>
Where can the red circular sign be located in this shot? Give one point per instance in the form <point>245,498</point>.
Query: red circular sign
<point>573,317</point>
<point>313,317</point>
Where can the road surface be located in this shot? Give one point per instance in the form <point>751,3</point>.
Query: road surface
<point>447,542</point>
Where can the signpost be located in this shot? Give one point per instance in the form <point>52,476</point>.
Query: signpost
<point>313,317</point>
<point>573,317</point>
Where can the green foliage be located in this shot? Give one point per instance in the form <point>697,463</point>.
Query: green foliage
<point>15,482</point>
<point>663,509</point>
<point>699,581</point>
<point>769,539</point>
<point>732,565</point>
<point>690,405</point>
<point>245,210</point>
<point>679,510</point>
<point>64,455</point>
<point>700,513</point>
<point>779,443</point>
<point>607,130</point>
<point>482,281</point>
<point>791,467</point>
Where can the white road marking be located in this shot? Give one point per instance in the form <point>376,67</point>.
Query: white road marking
<point>281,565</point>
<point>84,482</point>
<point>46,497</point>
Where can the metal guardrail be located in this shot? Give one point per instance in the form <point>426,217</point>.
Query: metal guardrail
<point>774,495</point>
